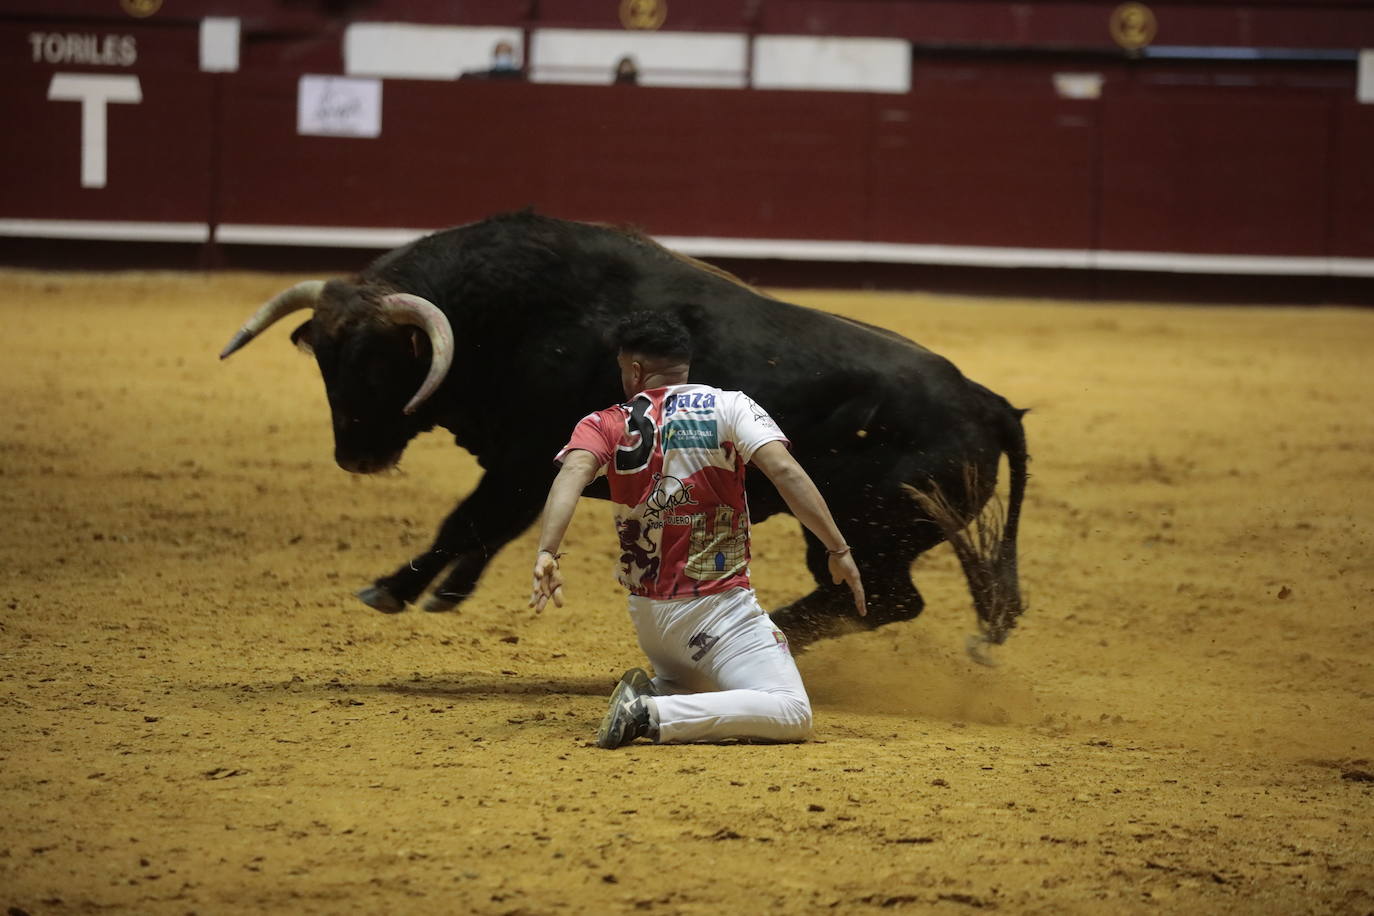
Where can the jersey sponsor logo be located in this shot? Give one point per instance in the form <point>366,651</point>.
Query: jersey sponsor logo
<point>691,434</point>
<point>699,400</point>
<point>668,494</point>
<point>760,415</point>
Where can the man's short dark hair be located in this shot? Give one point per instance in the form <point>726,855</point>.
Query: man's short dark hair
<point>659,335</point>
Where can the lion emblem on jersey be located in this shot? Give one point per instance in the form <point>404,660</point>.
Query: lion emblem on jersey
<point>639,558</point>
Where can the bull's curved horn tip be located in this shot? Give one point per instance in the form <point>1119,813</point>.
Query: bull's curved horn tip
<point>235,343</point>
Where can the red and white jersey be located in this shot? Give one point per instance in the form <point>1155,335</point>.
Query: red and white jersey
<point>675,459</point>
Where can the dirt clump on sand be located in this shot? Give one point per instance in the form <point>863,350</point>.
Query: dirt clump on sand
<point>196,715</point>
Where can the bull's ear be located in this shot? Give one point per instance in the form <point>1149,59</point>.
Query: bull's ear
<point>301,338</point>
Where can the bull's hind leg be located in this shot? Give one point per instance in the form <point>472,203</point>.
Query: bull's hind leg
<point>829,610</point>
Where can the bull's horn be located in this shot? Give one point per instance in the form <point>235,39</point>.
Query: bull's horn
<point>301,296</point>
<point>405,308</point>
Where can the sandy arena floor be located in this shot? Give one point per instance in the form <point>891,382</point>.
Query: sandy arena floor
<point>197,716</point>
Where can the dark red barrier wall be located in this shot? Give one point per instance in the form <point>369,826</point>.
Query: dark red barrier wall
<point>1224,171</point>
<point>158,154</point>
<point>1203,170</point>
<point>1001,24</point>
<point>1003,167</point>
<point>1269,159</point>
<point>683,162</point>
<point>1352,181</point>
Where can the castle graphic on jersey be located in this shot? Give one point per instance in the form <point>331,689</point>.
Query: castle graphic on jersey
<point>718,549</point>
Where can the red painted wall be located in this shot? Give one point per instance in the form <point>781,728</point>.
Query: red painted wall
<point>158,151</point>
<point>1004,167</point>
<point>1223,171</point>
<point>1352,181</point>
<point>682,162</point>
<point>1254,159</point>
<point>992,23</point>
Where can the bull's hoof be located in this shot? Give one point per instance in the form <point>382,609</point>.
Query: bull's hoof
<point>436,604</point>
<point>379,599</point>
<point>977,646</point>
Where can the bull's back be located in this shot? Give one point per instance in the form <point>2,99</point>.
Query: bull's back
<point>816,372</point>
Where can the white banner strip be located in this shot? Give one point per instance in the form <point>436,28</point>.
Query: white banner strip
<point>111,230</point>
<point>830,63</point>
<point>706,59</point>
<point>321,236</point>
<point>865,252</point>
<point>879,252</point>
<point>1213,263</point>
<point>706,247</point>
<point>400,50</point>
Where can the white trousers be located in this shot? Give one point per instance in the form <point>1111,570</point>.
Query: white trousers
<point>725,670</point>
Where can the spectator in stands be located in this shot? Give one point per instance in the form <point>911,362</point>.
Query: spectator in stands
<point>627,71</point>
<point>504,66</point>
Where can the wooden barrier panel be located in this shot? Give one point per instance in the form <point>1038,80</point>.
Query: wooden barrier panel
<point>106,123</point>
<point>1007,169</point>
<point>1225,171</point>
<point>114,123</point>
<point>679,162</point>
<point>1352,182</point>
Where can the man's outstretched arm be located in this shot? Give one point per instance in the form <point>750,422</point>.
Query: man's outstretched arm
<point>579,469</point>
<point>799,491</point>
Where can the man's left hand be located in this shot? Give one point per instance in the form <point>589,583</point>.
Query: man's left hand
<point>843,569</point>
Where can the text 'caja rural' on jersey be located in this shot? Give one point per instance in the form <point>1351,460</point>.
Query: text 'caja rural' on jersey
<point>675,459</point>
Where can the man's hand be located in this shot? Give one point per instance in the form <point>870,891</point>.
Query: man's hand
<point>843,569</point>
<point>548,582</point>
<point>799,491</point>
<point>579,468</point>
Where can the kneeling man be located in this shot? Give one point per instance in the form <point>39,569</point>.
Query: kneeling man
<point>675,454</point>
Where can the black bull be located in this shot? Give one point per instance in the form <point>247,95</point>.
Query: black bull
<point>498,332</point>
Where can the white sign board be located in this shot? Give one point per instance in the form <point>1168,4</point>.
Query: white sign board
<point>822,62</point>
<point>707,60</point>
<point>219,45</point>
<point>397,50</point>
<point>339,106</point>
<point>1365,90</point>
<point>1078,85</point>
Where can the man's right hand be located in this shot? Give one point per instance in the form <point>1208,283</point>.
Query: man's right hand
<point>844,569</point>
<point>548,582</point>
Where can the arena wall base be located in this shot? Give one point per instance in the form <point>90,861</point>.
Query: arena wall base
<point>1083,284</point>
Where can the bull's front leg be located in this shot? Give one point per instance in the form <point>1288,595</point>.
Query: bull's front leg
<point>502,506</point>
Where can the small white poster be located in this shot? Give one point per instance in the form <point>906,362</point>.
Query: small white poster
<point>1365,89</point>
<point>339,106</point>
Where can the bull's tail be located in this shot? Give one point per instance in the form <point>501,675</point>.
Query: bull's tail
<point>986,545</point>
